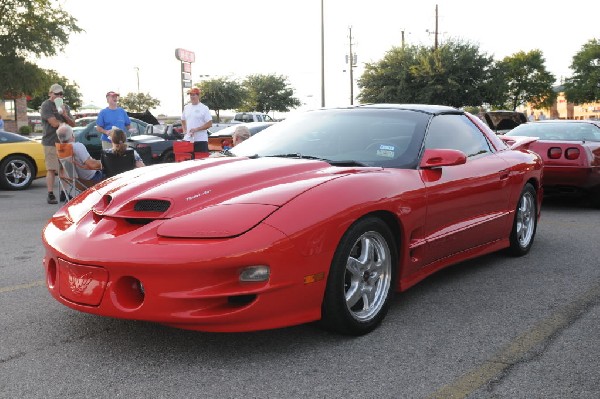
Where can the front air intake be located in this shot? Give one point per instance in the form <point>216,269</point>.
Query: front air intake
<point>151,206</point>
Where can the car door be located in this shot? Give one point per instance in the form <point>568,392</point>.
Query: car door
<point>90,138</point>
<point>466,204</point>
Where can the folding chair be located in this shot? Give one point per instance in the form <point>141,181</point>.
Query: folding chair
<point>68,179</point>
<point>113,163</point>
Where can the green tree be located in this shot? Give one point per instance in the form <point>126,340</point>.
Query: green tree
<point>72,96</point>
<point>30,28</point>
<point>522,78</point>
<point>139,102</point>
<point>266,93</point>
<point>453,74</point>
<point>221,93</point>
<point>389,80</point>
<point>584,85</point>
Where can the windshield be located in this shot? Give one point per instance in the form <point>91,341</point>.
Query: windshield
<point>363,136</point>
<point>560,131</point>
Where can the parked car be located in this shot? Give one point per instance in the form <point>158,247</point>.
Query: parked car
<point>152,149</point>
<point>167,132</point>
<point>21,161</point>
<point>90,137</point>
<point>320,217</point>
<point>571,153</point>
<point>217,139</point>
<point>502,122</point>
<point>86,120</point>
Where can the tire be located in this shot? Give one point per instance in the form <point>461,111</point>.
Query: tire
<point>167,157</point>
<point>16,172</point>
<point>361,277</point>
<point>525,223</point>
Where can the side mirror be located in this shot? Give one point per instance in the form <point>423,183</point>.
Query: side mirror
<point>435,158</point>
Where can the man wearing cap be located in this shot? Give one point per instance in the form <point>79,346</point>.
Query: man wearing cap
<point>113,115</point>
<point>195,120</point>
<point>51,120</point>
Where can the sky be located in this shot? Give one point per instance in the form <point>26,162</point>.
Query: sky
<point>130,39</point>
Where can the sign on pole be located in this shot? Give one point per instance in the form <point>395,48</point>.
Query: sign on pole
<point>186,57</point>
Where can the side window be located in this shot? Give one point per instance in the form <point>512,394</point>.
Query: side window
<point>456,132</point>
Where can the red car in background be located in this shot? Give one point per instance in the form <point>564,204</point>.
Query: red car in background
<point>571,153</point>
<point>320,217</point>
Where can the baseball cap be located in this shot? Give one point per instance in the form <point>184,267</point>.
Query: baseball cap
<point>194,90</point>
<point>56,88</point>
<point>112,93</point>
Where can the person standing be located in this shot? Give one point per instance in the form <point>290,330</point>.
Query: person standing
<point>51,120</point>
<point>1,123</point>
<point>531,117</point>
<point>113,115</point>
<point>195,120</point>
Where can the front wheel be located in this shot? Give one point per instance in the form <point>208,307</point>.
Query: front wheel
<point>359,285</point>
<point>525,222</point>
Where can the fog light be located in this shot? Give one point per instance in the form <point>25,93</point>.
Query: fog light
<point>255,273</point>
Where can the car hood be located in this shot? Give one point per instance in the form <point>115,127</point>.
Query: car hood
<point>504,120</point>
<point>193,198</point>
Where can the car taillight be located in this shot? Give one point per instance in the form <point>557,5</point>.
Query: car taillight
<point>572,153</point>
<point>554,152</point>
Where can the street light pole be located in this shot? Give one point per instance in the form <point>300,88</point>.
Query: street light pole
<point>137,70</point>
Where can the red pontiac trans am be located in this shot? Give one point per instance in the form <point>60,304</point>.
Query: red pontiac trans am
<point>320,217</point>
<point>570,150</point>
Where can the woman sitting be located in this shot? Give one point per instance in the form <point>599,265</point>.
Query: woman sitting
<point>119,146</point>
<point>120,158</point>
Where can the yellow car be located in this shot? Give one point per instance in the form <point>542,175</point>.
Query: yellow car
<point>21,161</point>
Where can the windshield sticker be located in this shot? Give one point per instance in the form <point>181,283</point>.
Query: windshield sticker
<point>386,151</point>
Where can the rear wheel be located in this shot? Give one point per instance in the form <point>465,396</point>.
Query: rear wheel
<point>359,285</point>
<point>16,173</point>
<point>525,222</point>
<point>167,157</point>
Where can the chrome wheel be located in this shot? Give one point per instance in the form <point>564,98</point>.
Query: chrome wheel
<point>17,173</point>
<point>361,278</point>
<point>525,222</point>
<point>525,219</point>
<point>368,276</point>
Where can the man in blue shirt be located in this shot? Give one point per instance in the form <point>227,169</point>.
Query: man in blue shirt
<point>113,115</point>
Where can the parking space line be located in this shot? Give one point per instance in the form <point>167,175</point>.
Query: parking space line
<point>22,286</point>
<point>516,351</point>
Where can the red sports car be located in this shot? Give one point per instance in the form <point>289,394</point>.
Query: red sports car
<point>571,153</point>
<point>320,217</point>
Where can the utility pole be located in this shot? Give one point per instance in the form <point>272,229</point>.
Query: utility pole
<point>402,38</point>
<point>436,27</point>
<point>351,64</point>
<point>436,33</point>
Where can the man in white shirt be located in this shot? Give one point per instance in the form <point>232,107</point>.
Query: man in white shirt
<point>195,120</point>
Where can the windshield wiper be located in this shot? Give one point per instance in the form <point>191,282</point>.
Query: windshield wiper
<point>329,161</point>
<point>348,162</point>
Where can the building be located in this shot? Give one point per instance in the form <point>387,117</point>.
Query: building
<point>562,109</point>
<point>14,113</point>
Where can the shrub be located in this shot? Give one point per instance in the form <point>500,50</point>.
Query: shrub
<point>25,130</point>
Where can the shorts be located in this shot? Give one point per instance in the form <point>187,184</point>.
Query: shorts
<point>51,158</point>
<point>201,146</point>
<point>98,176</point>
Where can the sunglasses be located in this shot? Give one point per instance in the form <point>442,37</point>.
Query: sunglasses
<point>59,94</point>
